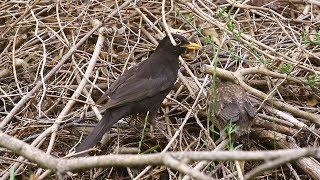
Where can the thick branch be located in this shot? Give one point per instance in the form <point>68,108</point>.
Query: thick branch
<point>62,165</point>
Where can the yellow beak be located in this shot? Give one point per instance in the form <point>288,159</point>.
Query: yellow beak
<point>192,46</point>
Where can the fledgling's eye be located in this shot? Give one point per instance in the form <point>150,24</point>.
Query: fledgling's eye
<point>177,41</point>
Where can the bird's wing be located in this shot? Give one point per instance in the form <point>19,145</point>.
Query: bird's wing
<point>251,110</point>
<point>226,104</point>
<point>135,85</point>
<point>229,112</point>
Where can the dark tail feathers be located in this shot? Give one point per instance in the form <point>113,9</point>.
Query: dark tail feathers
<point>103,125</point>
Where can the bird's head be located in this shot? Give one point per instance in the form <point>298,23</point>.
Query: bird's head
<point>182,44</point>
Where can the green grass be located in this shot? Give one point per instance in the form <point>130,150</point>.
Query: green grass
<point>142,132</point>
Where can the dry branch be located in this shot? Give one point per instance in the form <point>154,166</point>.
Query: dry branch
<point>268,47</point>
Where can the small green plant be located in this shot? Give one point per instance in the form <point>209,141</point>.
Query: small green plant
<point>312,79</point>
<point>199,30</point>
<point>213,132</point>
<point>178,12</point>
<point>286,68</point>
<point>142,133</point>
<point>189,18</point>
<point>221,11</point>
<point>212,168</point>
<point>317,38</point>
<point>264,61</point>
<point>150,149</point>
<point>209,39</point>
<point>237,35</point>
<point>255,52</point>
<point>230,129</point>
<point>230,26</point>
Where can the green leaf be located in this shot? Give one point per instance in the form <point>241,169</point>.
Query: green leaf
<point>286,68</point>
<point>178,13</point>
<point>208,39</point>
<point>237,35</point>
<point>150,149</point>
<point>189,18</point>
<point>317,38</point>
<point>230,26</point>
<point>221,11</point>
<point>212,130</point>
<point>312,79</point>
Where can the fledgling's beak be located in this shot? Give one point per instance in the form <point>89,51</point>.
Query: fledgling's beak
<point>192,46</point>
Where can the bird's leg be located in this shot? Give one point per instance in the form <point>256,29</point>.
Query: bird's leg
<point>151,118</point>
<point>153,123</point>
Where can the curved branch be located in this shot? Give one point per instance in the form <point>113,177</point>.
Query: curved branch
<point>63,165</point>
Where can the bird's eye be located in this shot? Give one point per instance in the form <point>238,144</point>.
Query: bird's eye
<point>177,41</point>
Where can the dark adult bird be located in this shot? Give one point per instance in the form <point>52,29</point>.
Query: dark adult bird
<point>142,88</point>
<point>233,105</point>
